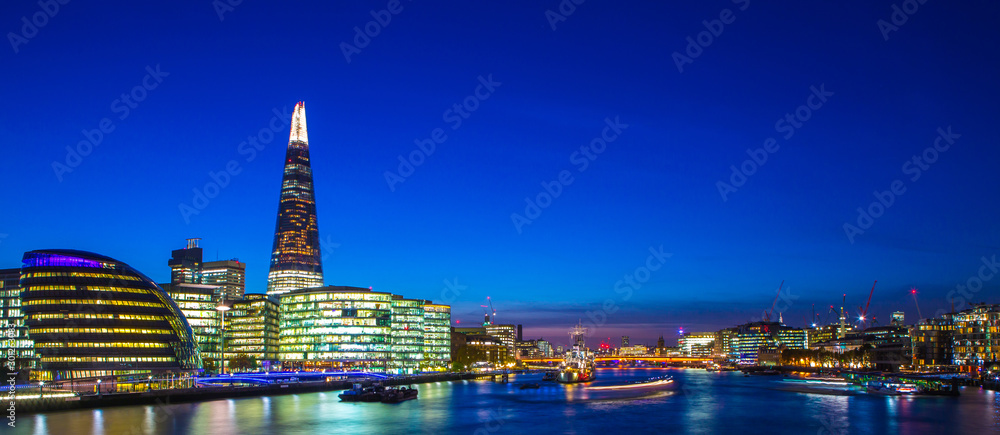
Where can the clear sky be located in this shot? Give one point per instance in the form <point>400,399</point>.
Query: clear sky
<point>655,184</point>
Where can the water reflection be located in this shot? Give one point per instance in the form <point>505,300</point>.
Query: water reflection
<point>702,402</point>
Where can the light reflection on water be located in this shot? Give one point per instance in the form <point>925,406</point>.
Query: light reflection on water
<point>698,403</point>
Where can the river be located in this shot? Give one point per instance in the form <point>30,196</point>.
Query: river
<point>698,403</point>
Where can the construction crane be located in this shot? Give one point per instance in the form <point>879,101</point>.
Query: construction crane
<point>864,311</point>
<point>767,318</point>
<point>913,291</point>
<point>492,309</point>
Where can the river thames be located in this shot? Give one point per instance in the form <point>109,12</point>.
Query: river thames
<point>699,402</point>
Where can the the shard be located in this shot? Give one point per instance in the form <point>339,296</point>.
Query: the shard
<point>295,257</point>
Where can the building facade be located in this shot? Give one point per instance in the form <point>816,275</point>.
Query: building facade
<point>336,327</point>
<point>15,332</point>
<point>229,276</point>
<point>697,343</point>
<point>296,260</point>
<point>507,334</point>
<point>437,336</point>
<point>91,315</point>
<point>407,351</point>
<point>753,339</point>
<point>252,330</point>
<point>976,337</point>
<point>199,304</point>
<point>931,342</point>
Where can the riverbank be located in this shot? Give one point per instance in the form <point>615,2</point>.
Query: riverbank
<point>188,395</point>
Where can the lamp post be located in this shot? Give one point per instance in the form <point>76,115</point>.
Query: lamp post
<point>40,383</point>
<point>222,308</point>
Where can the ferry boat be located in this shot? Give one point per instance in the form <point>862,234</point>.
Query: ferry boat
<point>578,365</point>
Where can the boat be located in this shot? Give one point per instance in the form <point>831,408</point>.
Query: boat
<point>882,389</point>
<point>396,395</point>
<point>360,393</point>
<point>530,386</point>
<point>578,365</point>
<point>656,382</point>
<point>549,376</point>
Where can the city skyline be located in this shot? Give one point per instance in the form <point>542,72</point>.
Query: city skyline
<point>447,229</point>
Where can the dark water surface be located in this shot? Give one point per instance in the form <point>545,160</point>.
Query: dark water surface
<point>699,403</point>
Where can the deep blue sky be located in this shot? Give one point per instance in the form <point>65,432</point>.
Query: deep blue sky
<point>655,185</point>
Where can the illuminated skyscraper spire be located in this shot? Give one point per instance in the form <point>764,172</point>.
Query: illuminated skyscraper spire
<point>295,257</point>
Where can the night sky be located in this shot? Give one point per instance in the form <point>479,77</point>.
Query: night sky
<point>860,108</point>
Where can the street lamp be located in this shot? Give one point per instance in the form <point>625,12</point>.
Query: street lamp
<point>149,383</point>
<point>222,308</point>
<point>40,383</point>
<point>98,387</point>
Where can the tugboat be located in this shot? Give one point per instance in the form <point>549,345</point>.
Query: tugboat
<point>578,365</point>
<point>360,393</point>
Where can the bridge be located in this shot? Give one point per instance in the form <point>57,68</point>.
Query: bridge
<point>628,359</point>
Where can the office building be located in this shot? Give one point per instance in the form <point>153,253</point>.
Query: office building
<point>975,337</point>
<point>17,345</point>
<point>437,336</point>
<point>931,342</point>
<point>251,330</point>
<point>91,315</point>
<point>199,303</point>
<point>545,347</point>
<point>228,275</point>
<point>696,343</point>
<point>296,261</point>
<point>624,341</point>
<point>507,334</point>
<point>335,327</point>
<point>407,333</point>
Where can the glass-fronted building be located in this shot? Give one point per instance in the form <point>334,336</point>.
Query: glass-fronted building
<point>199,303</point>
<point>12,328</point>
<point>295,256</point>
<point>91,315</point>
<point>976,337</point>
<point>754,339</point>
<point>336,327</point>
<point>437,336</point>
<point>931,343</point>
<point>407,335</point>
<point>252,329</point>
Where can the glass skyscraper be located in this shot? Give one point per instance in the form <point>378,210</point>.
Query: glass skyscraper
<point>295,256</point>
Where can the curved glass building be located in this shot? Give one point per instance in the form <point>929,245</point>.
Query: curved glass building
<point>91,315</point>
<point>336,327</point>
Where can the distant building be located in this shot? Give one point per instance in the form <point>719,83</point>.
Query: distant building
<point>560,350</point>
<point>931,342</point>
<point>890,347</point>
<point>696,343</point>
<point>507,334</point>
<point>898,318</point>
<point>228,275</point>
<point>753,338</point>
<point>252,330</point>
<point>15,332</point>
<point>296,258</point>
<point>633,350</point>
<point>481,352</point>
<point>545,347</point>
<point>94,316</point>
<point>527,349</point>
<point>975,337</point>
<point>624,341</point>
<point>723,348</point>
